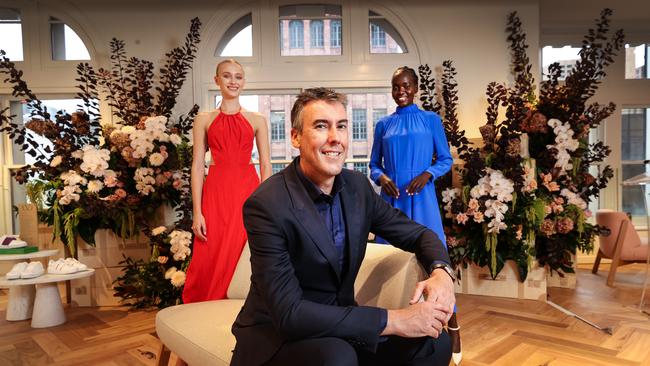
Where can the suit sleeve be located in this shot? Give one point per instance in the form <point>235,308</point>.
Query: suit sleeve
<point>404,233</point>
<point>274,277</point>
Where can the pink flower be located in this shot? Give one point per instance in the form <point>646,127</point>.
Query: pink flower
<point>177,184</point>
<point>473,204</point>
<point>478,217</point>
<point>588,213</point>
<point>120,193</point>
<point>110,181</point>
<point>461,218</point>
<point>519,234</point>
<point>167,174</point>
<point>162,259</point>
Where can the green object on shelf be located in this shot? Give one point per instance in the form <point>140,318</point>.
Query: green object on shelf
<point>23,250</point>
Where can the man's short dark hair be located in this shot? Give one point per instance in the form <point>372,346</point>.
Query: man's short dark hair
<point>311,95</point>
<point>409,71</point>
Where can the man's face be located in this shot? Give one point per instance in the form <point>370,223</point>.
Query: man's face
<point>323,142</point>
<point>404,89</point>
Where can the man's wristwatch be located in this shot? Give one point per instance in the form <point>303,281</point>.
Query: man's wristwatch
<point>446,267</point>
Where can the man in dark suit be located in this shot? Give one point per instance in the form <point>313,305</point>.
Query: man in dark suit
<point>307,230</point>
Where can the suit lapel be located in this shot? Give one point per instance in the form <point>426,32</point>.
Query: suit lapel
<point>305,212</point>
<point>349,200</point>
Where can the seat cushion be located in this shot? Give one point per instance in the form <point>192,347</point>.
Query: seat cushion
<point>199,333</point>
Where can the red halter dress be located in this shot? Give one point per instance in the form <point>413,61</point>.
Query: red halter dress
<point>231,180</point>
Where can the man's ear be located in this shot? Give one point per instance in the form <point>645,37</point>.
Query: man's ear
<point>295,138</point>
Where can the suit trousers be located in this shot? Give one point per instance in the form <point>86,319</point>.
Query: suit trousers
<point>394,351</point>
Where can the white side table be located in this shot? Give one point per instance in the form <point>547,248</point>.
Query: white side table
<point>47,306</point>
<point>21,298</point>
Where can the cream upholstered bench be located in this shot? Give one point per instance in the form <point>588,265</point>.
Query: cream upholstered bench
<point>199,333</point>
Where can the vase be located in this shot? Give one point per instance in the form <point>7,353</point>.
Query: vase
<point>475,280</point>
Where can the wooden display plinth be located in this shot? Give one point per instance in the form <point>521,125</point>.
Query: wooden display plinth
<point>477,281</point>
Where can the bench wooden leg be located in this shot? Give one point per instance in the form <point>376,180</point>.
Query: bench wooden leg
<point>163,358</point>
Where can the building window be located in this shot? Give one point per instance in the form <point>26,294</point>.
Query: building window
<point>566,56</point>
<point>377,36</point>
<point>361,166</point>
<point>296,34</point>
<point>384,37</point>
<point>335,33</point>
<point>359,128</point>
<point>316,33</point>
<point>66,44</point>
<point>277,126</point>
<point>238,39</point>
<point>636,61</point>
<point>12,34</point>
<point>377,114</point>
<point>319,22</point>
<point>634,150</point>
<point>276,167</point>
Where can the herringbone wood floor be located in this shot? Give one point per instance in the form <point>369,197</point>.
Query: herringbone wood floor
<point>495,331</point>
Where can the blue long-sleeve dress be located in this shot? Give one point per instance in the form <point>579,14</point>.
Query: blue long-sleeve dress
<point>403,148</point>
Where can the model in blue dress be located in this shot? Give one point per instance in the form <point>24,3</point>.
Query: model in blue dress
<point>404,145</point>
<point>401,163</point>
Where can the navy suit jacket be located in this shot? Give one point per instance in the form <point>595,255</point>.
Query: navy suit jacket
<point>297,289</point>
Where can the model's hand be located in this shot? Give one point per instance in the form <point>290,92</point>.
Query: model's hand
<point>418,183</point>
<point>198,227</point>
<point>388,186</point>
<point>438,289</point>
<point>418,320</point>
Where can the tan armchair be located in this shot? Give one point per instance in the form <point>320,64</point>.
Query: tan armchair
<point>622,246</point>
<point>199,333</point>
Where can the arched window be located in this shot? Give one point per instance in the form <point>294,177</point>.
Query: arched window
<point>335,33</point>
<point>66,44</point>
<point>238,39</point>
<point>12,34</point>
<point>316,33</point>
<point>296,34</point>
<point>322,21</point>
<point>384,37</point>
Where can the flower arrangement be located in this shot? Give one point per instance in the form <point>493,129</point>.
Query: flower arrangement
<point>116,175</point>
<point>524,192</point>
<point>158,281</point>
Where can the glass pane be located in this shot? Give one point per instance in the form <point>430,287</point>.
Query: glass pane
<point>636,61</point>
<point>238,39</point>
<point>277,126</point>
<point>11,30</point>
<point>633,134</point>
<point>377,114</point>
<point>633,195</point>
<point>359,124</point>
<point>566,56</point>
<point>310,30</point>
<point>66,44</point>
<point>384,38</point>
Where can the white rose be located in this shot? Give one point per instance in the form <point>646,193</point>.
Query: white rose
<point>95,186</point>
<point>78,154</point>
<point>56,161</point>
<point>175,139</point>
<point>170,272</point>
<point>178,278</point>
<point>156,159</point>
<point>159,230</point>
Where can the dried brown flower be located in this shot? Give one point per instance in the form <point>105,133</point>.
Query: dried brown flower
<point>548,227</point>
<point>564,225</point>
<point>513,148</point>
<point>43,128</point>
